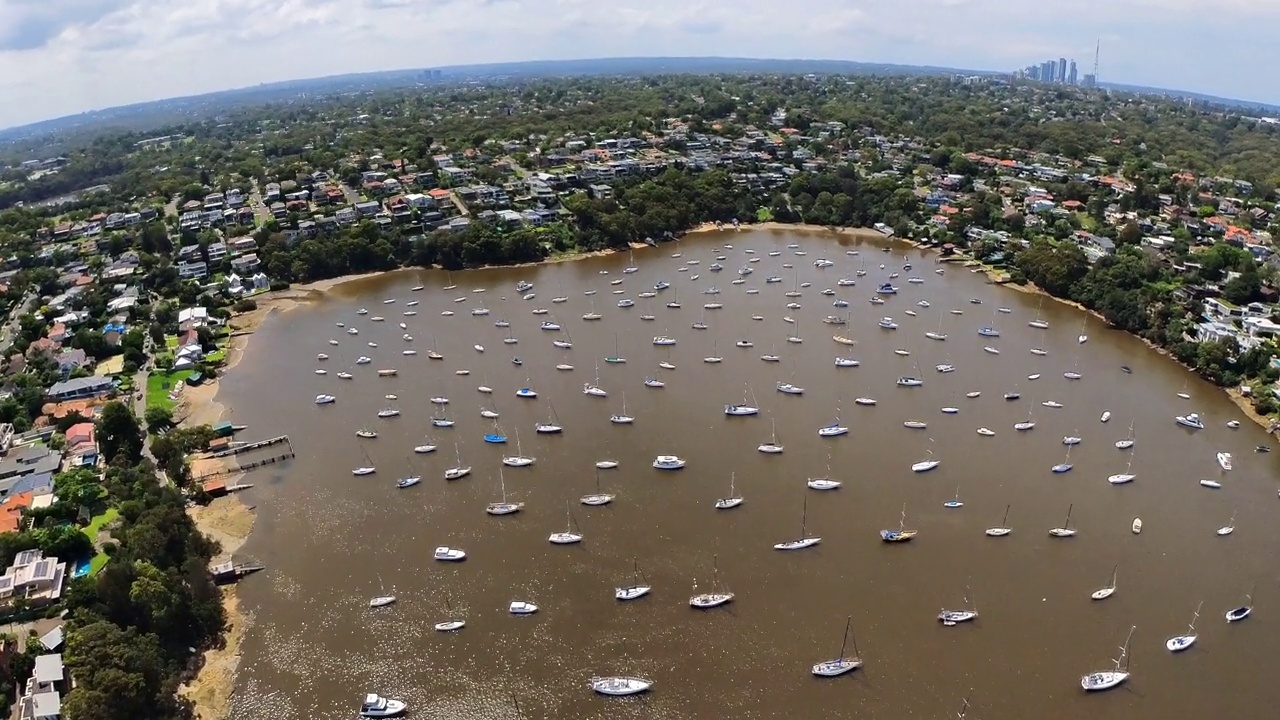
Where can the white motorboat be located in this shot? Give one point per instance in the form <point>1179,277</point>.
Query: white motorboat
<point>1211,484</point>
<point>864,401</point>
<point>789,389</point>
<point>323,399</point>
<point>907,381</point>
<point>1070,440</point>
<point>944,368</point>
<point>663,340</point>
<point>744,344</point>
<point>770,358</point>
<point>989,349</point>
<point>887,323</point>
<point>951,618</point>
<point>914,424</point>
<point>1107,679</point>
<point>620,686</point>
<point>1136,527</point>
<point>847,362</point>
<point>668,462</point>
<point>973,393</point>
<point>448,554</point>
<point>424,448</point>
<point>822,483</point>
<point>842,664</point>
<point>376,706</point>
<point>1233,424</point>
<point>986,432</point>
<point>1039,351</point>
<point>1224,460</point>
<point>382,601</point>
<point>741,410</point>
<point>388,413</point>
<point>364,360</point>
<point>835,429</point>
<point>1070,375</point>
<point>654,383</point>
<point>522,607</point>
<point>1191,420</point>
<point>1051,404</point>
<point>606,464</point>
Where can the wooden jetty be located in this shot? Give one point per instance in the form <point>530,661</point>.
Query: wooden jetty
<point>247,447</point>
<point>231,571</point>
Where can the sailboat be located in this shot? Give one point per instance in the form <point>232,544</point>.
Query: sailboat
<point>1037,322</point>
<point>597,498</point>
<point>592,315</point>
<point>453,623</point>
<point>716,597</point>
<point>772,447</point>
<point>367,468</point>
<point>743,408</point>
<point>551,426</point>
<point>383,599</point>
<point>615,358</point>
<point>805,540</point>
<point>825,482</point>
<point>951,618</point>
<point>1003,528</point>
<point>938,334</point>
<point>622,418</point>
<point>835,429</point>
<point>1065,465</point>
<point>926,464</point>
<point>1178,643</point>
<point>459,470</point>
<point>1245,610</point>
<point>1124,477</point>
<point>732,500</point>
<point>901,534</point>
<point>1107,679</point>
<point>1229,528</point>
<point>1083,337</point>
<point>842,664</point>
<point>504,507</point>
<point>570,536</point>
<point>1066,530</point>
<point>593,388</point>
<point>1127,442</point>
<point>638,587</point>
<point>954,504</point>
<point>519,459</point>
<point>1109,590</point>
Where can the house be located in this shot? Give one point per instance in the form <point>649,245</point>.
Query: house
<point>82,443</point>
<point>192,270</point>
<point>367,208</point>
<point>33,577</point>
<point>12,509</point>
<point>69,359</point>
<point>216,251</point>
<point>42,697</point>
<point>246,264</point>
<point>193,317</point>
<point>78,388</point>
<point>600,192</point>
<point>260,281</point>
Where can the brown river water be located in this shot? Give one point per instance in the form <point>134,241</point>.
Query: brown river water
<point>332,541</point>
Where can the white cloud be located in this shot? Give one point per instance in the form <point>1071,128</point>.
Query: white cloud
<point>64,56</point>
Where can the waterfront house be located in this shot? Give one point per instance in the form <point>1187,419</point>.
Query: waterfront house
<point>77,388</point>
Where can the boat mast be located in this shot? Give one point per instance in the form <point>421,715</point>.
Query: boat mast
<point>847,622</point>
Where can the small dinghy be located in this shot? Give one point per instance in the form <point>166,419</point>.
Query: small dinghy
<point>620,686</point>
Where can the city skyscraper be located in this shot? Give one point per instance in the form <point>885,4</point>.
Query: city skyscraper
<point>1072,76</point>
<point>1062,70</point>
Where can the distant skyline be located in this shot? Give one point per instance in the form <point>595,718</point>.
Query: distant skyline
<point>60,57</point>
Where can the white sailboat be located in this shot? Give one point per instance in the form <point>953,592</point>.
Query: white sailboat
<point>366,469</point>
<point>954,504</point>
<point>1065,465</point>
<point>1178,643</point>
<point>459,470</point>
<point>622,418</point>
<point>1106,592</point>
<point>951,618</point>
<point>384,598</point>
<point>1127,442</point>
<point>620,685</point>
<point>638,588</point>
<point>772,447</point>
<point>716,597</point>
<point>1107,679</point>
<point>1037,322</point>
<point>841,664</point>
<point>519,459</point>
<point>1229,528</point>
<point>503,507</point>
<point>1003,528</point>
<point>805,540</point>
<point>732,500</point>
<point>1125,477</point>
<point>1240,613</point>
<point>927,464</point>
<point>598,498</point>
<point>1065,530</point>
<point>571,535</point>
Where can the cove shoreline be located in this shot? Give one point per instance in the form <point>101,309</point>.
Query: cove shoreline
<point>230,521</point>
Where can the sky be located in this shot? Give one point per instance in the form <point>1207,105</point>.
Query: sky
<point>59,57</point>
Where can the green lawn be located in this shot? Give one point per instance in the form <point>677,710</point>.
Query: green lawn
<point>91,530</point>
<point>159,384</point>
<point>171,342</point>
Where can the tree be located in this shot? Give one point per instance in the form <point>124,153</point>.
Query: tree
<point>158,418</point>
<point>1130,234</point>
<point>118,433</point>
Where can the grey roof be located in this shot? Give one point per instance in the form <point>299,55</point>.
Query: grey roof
<point>49,669</point>
<point>46,705</point>
<point>77,384</point>
<point>52,640</point>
